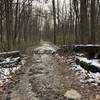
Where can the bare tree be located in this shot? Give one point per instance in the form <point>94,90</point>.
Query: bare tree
<point>16,23</point>
<point>93,21</point>
<point>54,19</point>
<point>83,21</point>
<point>1,16</point>
<point>76,10</point>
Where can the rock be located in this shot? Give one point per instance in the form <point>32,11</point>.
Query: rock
<point>97,97</point>
<point>73,95</point>
<point>98,79</point>
<point>1,83</point>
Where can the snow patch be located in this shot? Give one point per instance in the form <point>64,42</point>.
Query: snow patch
<point>84,59</point>
<point>87,77</point>
<point>5,73</point>
<point>7,70</point>
<point>93,62</point>
<point>88,45</point>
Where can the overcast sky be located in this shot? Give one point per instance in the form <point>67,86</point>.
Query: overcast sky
<point>42,3</point>
<point>47,6</point>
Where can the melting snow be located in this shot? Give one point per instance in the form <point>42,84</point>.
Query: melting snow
<point>84,59</point>
<point>91,62</point>
<point>87,45</point>
<point>8,59</point>
<point>87,77</point>
<point>95,63</point>
<point>5,73</point>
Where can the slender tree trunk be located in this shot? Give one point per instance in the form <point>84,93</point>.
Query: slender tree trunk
<point>76,10</point>
<point>19,26</point>
<point>1,12</point>
<point>7,23</point>
<point>11,21</point>
<point>83,21</point>
<point>16,24</point>
<point>54,19</point>
<point>58,12</point>
<point>93,21</point>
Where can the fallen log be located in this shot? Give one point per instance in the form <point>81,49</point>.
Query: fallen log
<point>89,65</point>
<point>10,54</point>
<point>90,51</point>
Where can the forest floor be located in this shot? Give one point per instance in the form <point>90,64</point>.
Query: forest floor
<point>47,76</point>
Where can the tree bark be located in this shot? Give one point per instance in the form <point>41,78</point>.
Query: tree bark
<point>16,24</point>
<point>58,12</point>
<point>83,21</point>
<point>6,2</point>
<point>1,12</point>
<point>54,19</point>
<point>76,30</point>
<point>93,21</point>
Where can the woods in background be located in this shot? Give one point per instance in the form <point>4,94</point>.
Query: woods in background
<point>75,21</point>
<point>80,23</point>
<point>18,24</point>
<point>22,23</point>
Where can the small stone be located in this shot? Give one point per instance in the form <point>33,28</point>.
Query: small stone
<point>1,83</point>
<point>73,95</point>
<point>98,97</point>
<point>95,98</point>
<point>98,79</point>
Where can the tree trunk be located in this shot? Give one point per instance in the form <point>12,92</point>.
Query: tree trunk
<point>1,12</point>
<point>83,21</point>
<point>54,19</point>
<point>93,21</point>
<point>76,10</point>
<point>16,24</point>
<point>58,12</point>
<point>7,23</point>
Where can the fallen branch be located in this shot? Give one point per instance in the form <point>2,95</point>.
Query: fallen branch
<point>10,54</point>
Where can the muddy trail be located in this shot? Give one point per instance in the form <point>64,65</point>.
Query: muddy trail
<point>46,77</point>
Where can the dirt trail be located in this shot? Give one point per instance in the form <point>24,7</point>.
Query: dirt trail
<point>23,90</point>
<point>42,79</point>
<point>46,78</point>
